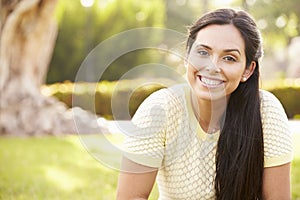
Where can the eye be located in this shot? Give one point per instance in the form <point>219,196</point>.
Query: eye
<point>202,52</point>
<point>229,58</point>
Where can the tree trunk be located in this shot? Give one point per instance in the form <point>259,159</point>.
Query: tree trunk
<point>28,33</point>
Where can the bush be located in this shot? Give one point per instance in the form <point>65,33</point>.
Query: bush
<point>289,97</point>
<point>116,100</point>
<point>288,93</point>
<point>120,99</point>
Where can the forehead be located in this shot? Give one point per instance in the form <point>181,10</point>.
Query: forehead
<point>221,37</point>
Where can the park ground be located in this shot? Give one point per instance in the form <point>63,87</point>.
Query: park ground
<point>61,168</point>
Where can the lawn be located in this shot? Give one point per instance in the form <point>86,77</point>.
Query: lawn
<point>60,168</point>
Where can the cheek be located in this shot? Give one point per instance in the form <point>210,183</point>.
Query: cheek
<point>233,81</point>
<point>233,73</point>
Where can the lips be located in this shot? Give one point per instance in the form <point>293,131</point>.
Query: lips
<point>210,82</point>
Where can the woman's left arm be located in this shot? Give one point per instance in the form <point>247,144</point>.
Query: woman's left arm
<point>276,182</point>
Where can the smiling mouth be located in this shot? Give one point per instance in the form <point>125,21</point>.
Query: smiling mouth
<point>209,82</point>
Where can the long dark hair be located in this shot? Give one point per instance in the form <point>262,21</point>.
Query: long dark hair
<point>240,155</point>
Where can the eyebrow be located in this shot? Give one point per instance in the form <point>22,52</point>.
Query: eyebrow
<point>225,50</point>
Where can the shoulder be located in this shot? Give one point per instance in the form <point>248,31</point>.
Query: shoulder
<point>272,111</point>
<point>164,101</point>
<point>167,96</point>
<point>269,99</point>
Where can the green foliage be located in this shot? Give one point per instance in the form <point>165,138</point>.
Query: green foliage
<point>124,96</point>
<point>100,98</point>
<point>82,29</point>
<point>288,93</point>
<point>282,21</point>
<point>289,97</point>
<point>278,20</point>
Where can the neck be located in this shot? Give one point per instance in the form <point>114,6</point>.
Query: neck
<point>209,113</point>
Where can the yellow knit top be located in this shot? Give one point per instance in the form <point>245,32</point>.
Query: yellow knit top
<point>168,136</point>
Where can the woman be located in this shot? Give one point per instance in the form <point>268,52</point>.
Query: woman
<point>217,137</point>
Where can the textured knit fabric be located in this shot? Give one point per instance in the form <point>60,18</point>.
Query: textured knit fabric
<point>166,135</point>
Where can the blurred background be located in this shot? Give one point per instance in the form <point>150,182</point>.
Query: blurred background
<point>45,43</point>
<point>83,24</point>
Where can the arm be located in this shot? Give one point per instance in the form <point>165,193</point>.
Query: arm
<point>276,183</point>
<point>135,181</point>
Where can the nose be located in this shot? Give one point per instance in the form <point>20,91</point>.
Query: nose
<point>212,67</point>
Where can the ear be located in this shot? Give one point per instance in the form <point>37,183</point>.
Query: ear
<point>248,71</point>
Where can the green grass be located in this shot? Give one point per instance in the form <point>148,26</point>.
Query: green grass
<point>51,168</point>
<point>60,168</point>
<point>296,168</point>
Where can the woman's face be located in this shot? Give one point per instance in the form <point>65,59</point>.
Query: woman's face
<point>216,62</point>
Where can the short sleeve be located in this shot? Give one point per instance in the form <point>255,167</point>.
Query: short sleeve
<point>278,147</point>
<point>144,143</point>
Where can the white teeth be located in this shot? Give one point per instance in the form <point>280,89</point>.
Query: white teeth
<point>211,82</point>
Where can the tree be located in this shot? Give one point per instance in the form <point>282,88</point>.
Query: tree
<point>28,33</point>
<point>83,29</point>
<point>278,20</point>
